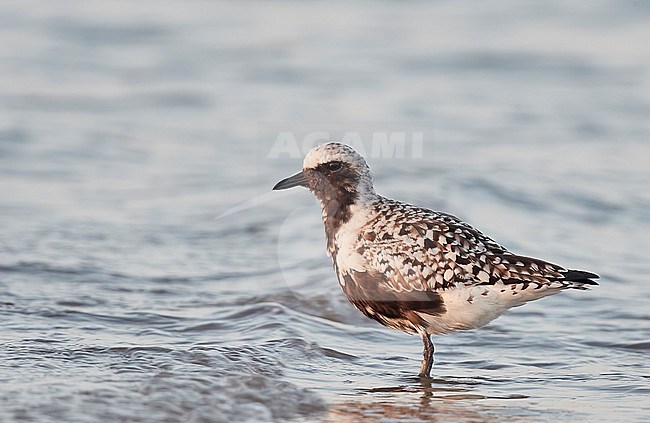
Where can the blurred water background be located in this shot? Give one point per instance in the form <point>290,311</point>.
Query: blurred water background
<point>127,127</point>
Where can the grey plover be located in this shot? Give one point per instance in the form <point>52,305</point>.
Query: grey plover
<point>413,269</point>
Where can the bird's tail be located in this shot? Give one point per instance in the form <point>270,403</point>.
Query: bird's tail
<point>580,279</point>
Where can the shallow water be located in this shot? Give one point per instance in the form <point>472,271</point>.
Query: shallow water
<point>148,274</point>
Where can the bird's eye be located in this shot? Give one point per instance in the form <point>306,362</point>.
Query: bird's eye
<point>334,166</point>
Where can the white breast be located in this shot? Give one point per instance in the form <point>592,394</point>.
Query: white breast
<point>347,239</point>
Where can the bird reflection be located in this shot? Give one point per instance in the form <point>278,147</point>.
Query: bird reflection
<point>419,399</point>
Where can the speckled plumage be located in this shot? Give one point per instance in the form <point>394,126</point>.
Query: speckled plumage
<point>414,269</point>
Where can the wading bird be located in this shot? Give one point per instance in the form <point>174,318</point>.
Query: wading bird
<point>413,269</point>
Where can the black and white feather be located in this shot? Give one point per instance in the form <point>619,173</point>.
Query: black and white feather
<point>414,269</point>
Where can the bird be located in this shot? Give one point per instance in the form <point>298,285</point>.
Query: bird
<point>413,269</point>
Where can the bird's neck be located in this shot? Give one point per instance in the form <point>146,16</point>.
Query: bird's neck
<point>343,212</point>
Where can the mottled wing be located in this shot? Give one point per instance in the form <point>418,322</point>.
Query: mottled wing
<point>422,250</point>
<point>515,269</point>
<point>488,263</point>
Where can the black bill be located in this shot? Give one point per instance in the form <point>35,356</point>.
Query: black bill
<point>292,181</point>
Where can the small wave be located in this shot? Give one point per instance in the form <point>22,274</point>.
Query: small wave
<point>42,267</point>
<point>170,383</point>
<point>634,346</point>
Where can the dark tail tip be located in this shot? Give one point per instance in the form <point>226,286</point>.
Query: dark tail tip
<point>581,277</point>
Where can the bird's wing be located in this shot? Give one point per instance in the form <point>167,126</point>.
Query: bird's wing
<point>430,251</point>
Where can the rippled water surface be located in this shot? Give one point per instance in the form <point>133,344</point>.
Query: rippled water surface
<point>148,274</point>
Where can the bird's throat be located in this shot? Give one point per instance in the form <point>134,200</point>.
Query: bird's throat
<point>336,213</point>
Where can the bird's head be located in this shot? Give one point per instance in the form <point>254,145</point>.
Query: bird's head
<point>333,171</point>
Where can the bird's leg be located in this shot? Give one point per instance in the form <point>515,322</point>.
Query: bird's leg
<point>427,360</point>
